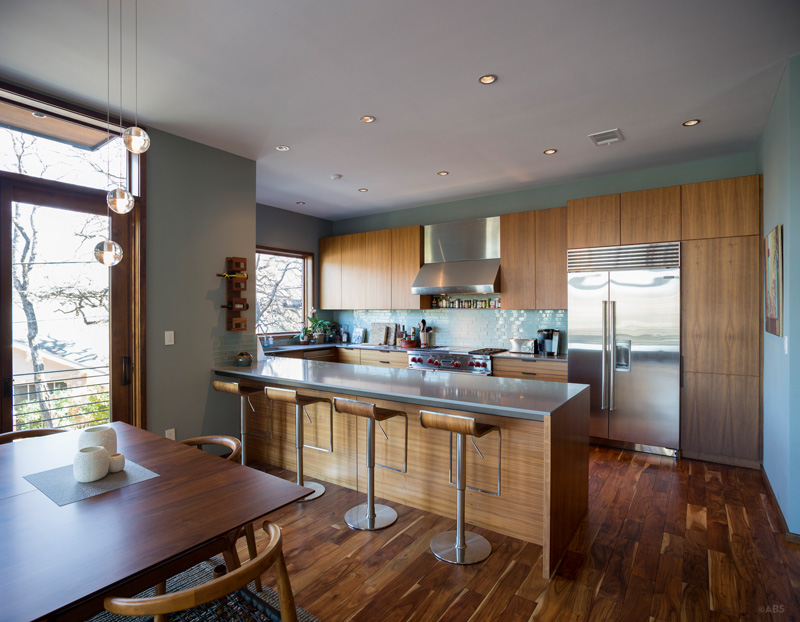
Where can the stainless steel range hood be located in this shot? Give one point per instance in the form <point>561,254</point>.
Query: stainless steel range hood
<point>461,258</point>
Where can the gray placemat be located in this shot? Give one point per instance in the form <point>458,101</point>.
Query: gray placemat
<point>62,488</point>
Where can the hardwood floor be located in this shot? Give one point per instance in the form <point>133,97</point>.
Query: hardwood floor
<point>663,540</point>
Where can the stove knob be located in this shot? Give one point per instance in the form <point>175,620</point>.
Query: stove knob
<point>471,364</point>
<point>413,359</point>
<point>483,364</point>
<point>456,364</point>
<point>437,363</point>
<point>430,361</point>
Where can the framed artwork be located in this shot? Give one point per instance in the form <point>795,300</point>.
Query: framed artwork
<point>773,283</point>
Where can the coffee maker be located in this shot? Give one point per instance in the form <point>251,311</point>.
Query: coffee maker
<point>547,340</point>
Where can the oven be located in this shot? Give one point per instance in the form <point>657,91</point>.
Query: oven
<point>476,362</point>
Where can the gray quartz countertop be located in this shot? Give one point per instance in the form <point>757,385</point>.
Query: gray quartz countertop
<point>508,397</point>
<point>527,356</point>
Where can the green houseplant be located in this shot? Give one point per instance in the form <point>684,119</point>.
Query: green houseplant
<point>318,326</point>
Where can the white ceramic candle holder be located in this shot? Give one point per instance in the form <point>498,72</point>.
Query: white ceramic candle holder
<point>99,435</point>
<point>116,462</point>
<point>90,464</point>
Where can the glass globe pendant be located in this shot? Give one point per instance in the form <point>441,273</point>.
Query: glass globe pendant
<point>136,140</point>
<point>120,200</point>
<point>108,253</point>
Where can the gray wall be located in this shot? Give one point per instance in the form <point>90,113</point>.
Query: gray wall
<point>780,158</point>
<point>200,209</point>
<point>280,228</point>
<point>735,165</point>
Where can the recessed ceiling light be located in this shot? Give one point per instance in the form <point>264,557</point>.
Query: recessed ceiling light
<point>363,190</point>
<point>443,173</point>
<point>550,151</point>
<point>691,122</point>
<point>487,79</point>
<point>282,148</point>
<point>367,119</point>
<point>336,176</point>
<point>39,115</point>
<point>300,203</point>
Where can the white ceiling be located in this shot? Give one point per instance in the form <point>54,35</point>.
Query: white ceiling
<point>247,75</point>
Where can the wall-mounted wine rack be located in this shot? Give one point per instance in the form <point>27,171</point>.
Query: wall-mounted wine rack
<point>235,276</point>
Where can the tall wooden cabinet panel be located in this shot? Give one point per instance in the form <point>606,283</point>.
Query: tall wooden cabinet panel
<point>354,257</point>
<point>721,208</point>
<point>720,417</point>
<point>550,258</point>
<point>377,269</point>
<point>649,216</point>
<point>517,271</point>
<point>407,257</point>
<point>593,221</point>
<point>720,299</point>
<point>330,273</point>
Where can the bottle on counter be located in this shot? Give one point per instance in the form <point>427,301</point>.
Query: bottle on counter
<point>270,341</point>
<point>233,275</point>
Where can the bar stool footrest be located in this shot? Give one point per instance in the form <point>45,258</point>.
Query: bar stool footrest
<point>356,517</point>
<point>476,549</point>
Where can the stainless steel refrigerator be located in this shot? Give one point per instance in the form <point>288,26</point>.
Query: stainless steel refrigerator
<point>624,340</point>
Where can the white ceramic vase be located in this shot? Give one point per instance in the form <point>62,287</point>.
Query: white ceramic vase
<point>99,435</point>
<point>90,464</point>
<point>116,462</point>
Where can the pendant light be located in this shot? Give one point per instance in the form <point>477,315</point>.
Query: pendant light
<point>108,252</point>
<point>135,138</point>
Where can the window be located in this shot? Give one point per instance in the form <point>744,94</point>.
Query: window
<point>284,290</point>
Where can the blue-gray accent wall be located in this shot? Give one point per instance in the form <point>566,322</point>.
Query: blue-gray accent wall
<point>779,159</point>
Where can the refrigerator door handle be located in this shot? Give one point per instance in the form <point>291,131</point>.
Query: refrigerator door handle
<point>604,356</point>
<point>613,341</point>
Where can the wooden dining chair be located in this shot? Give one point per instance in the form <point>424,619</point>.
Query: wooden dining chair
<point>229,589</point>
<point>236,449</point>
<point>7,437</point>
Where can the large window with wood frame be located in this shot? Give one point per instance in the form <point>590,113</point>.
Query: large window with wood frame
<point>284,290</point>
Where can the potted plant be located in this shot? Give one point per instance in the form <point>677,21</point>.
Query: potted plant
<point>305,336</point>
<point>318,326</point>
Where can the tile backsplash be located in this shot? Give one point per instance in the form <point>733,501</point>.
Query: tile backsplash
<point>463,328</point>
<point>227,346</point>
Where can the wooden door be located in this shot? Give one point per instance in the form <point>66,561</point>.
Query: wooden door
<point>721,208</point>
<point>721,302</point>
<point>551,258</point>
<point>407,257</point>
<point>649,216</point>
<point>377,269</point>
<point>593,221</point>
<point>330,273</point>
<point>354,290</point>
<point>517,271</point>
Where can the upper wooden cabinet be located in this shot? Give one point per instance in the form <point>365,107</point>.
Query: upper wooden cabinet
<point>649,216</point>
<point>517,270</point>
<point>407,257</point>
<point>593,222</point>
<point>354,258</point>
<point>377,270</point>
<point>551,258</point>
<point>721,208</point>
<point>330,273</point>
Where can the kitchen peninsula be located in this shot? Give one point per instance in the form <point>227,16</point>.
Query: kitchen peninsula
<point>538,462</point>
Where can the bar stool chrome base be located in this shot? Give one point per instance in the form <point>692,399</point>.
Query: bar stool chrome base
<point>476,548</point>
<point>318,489</point>
<point>356,517</point>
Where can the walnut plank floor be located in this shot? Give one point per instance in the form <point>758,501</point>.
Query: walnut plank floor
<point>663,540</point>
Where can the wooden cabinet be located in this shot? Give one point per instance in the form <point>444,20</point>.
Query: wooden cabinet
<point>721,208</point>
<point>354,291</point>
<point>407,258</point>
<point>348,355</point>
<point>721,345</point>
<point>649,216</point>
<point>517,272</point>
<point>593,222</point>
<point>550,371</point>
<point>550,258</point>
<point>384,358</point>
<point>330,273</point>
<point>377,270</point>
<point>326,354</point>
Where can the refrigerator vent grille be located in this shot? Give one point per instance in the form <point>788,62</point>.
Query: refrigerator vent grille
<point>665,255</point>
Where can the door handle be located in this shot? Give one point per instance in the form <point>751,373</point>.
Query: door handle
<point>127,368</point>
<point>603,356</point>
<point>384,362</point>
<point>7,387</point>
<point>613,325</point>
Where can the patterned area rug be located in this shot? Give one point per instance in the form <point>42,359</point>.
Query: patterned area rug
<point>235,608</point>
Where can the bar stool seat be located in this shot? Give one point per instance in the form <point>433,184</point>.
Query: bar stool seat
<point>289,396</point>
<point>369,516</point>
<point>459,546</point>
<point>244,393</point>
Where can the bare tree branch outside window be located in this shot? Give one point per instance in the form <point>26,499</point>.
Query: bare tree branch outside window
<point>279,293</point>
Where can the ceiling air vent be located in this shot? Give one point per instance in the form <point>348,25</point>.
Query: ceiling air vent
<point>607,137</point>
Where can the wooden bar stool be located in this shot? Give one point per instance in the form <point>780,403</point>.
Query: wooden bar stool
<point>244,393</point>
<point>288,396</point>
<point>459,546</point>
<point>369,516</point>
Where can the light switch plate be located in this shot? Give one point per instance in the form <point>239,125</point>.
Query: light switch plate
<point>169,337</point>
<point>786,344</point>
<point>170,434</point>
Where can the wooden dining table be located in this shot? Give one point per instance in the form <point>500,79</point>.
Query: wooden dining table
<point>59,562</point>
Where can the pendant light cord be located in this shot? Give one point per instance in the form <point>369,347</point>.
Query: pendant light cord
<point>136,64</point>
<point>108,108</point>
<point>122,160</point>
